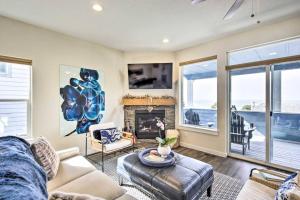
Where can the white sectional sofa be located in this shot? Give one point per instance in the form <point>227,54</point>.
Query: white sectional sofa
<point>77,175</point>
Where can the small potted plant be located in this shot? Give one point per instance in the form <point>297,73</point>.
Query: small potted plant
<point>164,148</point>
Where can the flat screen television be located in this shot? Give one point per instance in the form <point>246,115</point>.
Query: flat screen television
<point>150,76</point>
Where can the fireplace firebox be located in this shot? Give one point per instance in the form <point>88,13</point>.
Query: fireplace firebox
<point>145,123</point>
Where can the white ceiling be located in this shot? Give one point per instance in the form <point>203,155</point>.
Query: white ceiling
<point>138,25</point>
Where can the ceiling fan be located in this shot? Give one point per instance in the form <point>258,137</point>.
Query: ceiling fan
<point>235,6</point>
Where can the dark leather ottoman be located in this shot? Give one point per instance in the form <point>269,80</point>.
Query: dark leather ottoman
<point>188,179</point>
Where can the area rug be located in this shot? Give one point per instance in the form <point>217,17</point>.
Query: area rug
<point>224,187</point>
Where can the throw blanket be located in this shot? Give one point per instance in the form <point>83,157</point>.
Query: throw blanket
<point>21,177</point>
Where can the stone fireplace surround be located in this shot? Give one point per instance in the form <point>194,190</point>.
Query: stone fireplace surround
<point>129,115</point>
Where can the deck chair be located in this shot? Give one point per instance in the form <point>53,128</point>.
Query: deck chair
<point>238,134</point>
<point>191,117</point>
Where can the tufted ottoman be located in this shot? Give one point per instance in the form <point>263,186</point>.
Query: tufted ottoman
<point>188,179</point>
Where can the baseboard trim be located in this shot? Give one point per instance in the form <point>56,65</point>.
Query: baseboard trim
<point>205,150</point>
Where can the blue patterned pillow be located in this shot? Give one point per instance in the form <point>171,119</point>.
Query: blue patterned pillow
<point>110,135</point>
<point>287,186</point>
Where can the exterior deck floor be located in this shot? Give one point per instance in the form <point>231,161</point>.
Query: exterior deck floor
<point>285,153</point>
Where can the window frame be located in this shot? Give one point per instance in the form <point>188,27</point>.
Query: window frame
<point>188,127</point>
<point>14,60</point>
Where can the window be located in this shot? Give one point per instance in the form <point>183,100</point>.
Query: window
<point>15,86</point>
<point>279,49</point>
<point>199,94</point>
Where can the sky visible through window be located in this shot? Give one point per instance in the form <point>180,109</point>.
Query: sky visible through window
<point>205,93</point>
<point>290,91</point>
<point>248,91</point>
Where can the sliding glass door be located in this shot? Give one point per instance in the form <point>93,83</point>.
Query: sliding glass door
<point>247,135</point>
<point>264,117</point>
<point>285,116</point>
<point>264,110</point>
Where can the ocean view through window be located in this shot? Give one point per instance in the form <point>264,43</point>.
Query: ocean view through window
<point>199,94</point>
<point>264,109</point>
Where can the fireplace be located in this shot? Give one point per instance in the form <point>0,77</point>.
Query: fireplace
<point>145,123</point>
<point>165,112</point>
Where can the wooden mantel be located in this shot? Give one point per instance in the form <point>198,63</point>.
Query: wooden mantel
<point>148,101</point>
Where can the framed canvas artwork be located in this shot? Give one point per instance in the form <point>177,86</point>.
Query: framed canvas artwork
<point>82,99</point>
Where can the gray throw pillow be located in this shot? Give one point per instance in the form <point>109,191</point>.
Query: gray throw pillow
<point>46,156</point>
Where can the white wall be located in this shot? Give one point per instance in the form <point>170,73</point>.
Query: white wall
<point>149,57</point>
<point>48,50</point>
<point>262,34</point>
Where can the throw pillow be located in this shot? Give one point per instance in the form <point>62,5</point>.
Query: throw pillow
<point>97,134</point>
<point>72,196</point>
<point>110,135</point>
<point>46,156</point>
<point>289,190</point>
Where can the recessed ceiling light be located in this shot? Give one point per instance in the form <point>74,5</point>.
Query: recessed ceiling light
<point>97,7</point>
<point>273,53</point>
<point>166,40</point>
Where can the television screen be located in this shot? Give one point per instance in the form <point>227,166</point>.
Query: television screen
<point>150,76</point>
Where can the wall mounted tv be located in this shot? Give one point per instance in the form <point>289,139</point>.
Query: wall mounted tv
<point>150,76</point>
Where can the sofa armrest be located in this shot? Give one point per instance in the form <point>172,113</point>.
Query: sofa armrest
<point>67,153</point>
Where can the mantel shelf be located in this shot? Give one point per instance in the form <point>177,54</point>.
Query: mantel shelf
<point>148,101</point>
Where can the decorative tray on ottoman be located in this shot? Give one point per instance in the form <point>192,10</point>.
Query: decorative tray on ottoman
<point>155,160</point>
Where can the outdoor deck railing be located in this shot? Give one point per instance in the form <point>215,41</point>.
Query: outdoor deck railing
<point>284,126</point>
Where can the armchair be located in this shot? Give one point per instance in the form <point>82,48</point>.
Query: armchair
<point>126,141</point>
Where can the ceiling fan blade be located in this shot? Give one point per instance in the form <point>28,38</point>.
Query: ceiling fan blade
<point>235,6</point>
<point>197,1</point>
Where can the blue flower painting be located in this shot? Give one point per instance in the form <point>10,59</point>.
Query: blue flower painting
<point>83,100</point>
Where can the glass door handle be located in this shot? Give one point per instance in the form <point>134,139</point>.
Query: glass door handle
<point>271,113</point>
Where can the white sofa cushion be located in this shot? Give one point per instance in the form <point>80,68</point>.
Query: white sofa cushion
<point>120,144</point>
<point>96,184</point>
<point>70,169</point>
<point>253,190</point>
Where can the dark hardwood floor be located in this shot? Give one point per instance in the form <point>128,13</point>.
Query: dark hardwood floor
<point>232,167</point>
